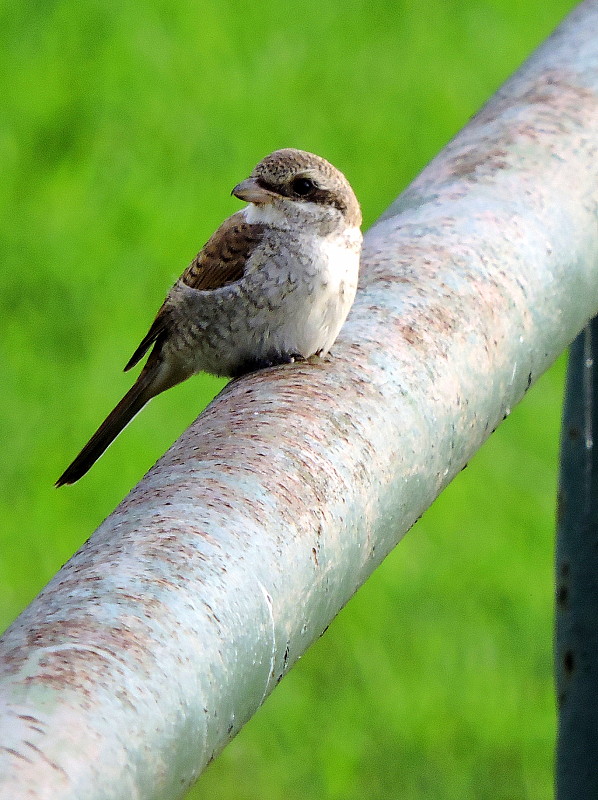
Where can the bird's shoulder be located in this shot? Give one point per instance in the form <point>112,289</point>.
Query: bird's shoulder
<point>223,258</point>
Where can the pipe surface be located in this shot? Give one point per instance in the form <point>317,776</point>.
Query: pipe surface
<point>165,632</point>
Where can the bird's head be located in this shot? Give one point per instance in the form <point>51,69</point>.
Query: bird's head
<point>291,186</point>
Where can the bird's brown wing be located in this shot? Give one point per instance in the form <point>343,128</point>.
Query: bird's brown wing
<point>222,259</point>
<point>220,262</point>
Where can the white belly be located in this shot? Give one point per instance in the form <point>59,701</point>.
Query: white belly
<point>327,309</point>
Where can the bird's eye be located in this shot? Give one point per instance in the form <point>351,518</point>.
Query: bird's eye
<point>302,186</point>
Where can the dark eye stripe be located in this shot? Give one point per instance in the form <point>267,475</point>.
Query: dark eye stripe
<point>321,196</point>
<point>267,185</point>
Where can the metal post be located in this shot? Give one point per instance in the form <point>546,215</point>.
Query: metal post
<point>577,577</point>
<point>166,631</point>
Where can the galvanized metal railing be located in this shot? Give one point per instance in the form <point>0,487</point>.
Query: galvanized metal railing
<point>165,632</point>
<point>577,577</point>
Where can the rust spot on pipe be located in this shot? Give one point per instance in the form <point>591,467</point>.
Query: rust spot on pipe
<point>479,161</point>
<point>562,596</point>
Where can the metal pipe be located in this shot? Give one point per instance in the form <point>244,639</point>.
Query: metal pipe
<point>165,632</point>
<point>577,577</point>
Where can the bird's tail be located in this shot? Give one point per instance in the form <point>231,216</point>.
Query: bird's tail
<point>138,395</point>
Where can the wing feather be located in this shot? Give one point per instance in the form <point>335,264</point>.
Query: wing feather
<point>219,263</point>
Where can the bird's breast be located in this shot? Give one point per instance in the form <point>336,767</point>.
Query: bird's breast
<point>292,300</point>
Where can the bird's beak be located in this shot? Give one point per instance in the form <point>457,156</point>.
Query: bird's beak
<point>250,191</point>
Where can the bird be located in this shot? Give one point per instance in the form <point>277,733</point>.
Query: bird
<point>273,285</point>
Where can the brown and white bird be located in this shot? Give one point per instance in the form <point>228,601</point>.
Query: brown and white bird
<point>274,284</point>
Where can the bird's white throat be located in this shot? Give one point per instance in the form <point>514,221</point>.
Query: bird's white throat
<point>322,220</point>
<point>265,215</point>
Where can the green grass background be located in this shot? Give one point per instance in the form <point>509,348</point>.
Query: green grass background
<point>123,127</point>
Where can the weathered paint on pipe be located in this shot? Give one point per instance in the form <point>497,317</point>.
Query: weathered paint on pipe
<point>164,633</point>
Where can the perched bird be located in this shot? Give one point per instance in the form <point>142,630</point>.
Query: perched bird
<point>274,284</point>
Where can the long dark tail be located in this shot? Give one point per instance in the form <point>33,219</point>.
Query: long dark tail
<point>134,400</point>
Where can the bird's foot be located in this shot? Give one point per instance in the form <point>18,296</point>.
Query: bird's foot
<point>320,357</point>
<point>275,360</point>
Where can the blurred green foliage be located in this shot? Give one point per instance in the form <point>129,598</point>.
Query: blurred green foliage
<point>123,127</point>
